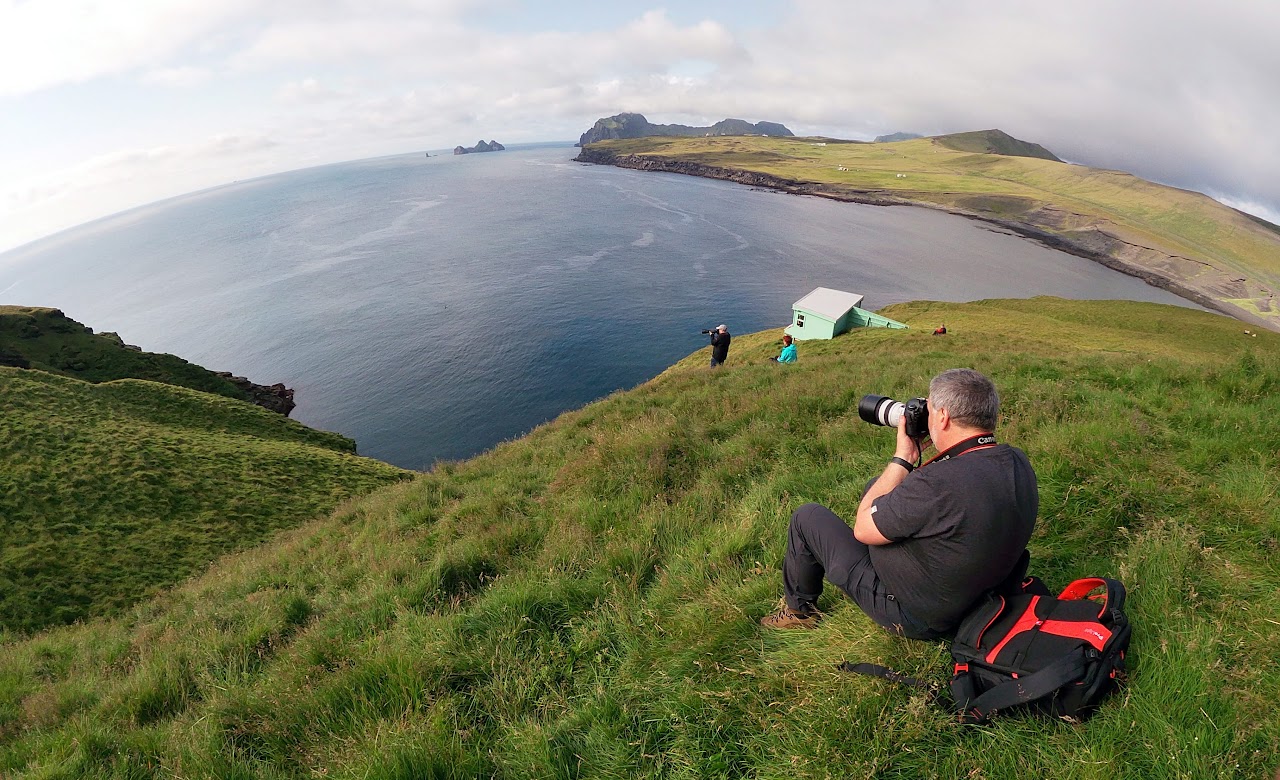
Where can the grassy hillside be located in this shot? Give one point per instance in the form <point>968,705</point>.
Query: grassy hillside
<point>1190,241</point>
<point>582,602</point>
<point>994,142</point>
<point>111,491</point>
<point>46,339</point>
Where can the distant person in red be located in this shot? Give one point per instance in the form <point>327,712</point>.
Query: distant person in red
<point>941,330</point>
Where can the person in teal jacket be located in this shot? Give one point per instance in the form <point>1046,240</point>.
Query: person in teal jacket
<point>788,351</point>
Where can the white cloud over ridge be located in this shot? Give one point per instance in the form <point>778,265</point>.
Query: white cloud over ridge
<point>1177,91</point>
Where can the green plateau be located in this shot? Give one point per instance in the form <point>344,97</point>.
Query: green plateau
<point>583,601</point>
<point>1180,240</point>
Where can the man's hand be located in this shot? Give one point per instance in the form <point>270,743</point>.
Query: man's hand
<point>907,448</point>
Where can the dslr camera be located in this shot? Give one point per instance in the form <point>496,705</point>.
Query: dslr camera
<point>708,331</point>
<point>881,410</point>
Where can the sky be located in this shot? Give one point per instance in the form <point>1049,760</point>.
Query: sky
<point>107,105</point>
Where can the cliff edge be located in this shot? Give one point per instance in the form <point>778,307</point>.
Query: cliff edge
<point>45,339</point>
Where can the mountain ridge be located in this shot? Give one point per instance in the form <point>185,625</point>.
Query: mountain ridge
<point>993,142</point>
<point>628,125</point>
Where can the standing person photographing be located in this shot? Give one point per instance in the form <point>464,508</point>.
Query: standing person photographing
<point>720,339</point>
<point>927,541</point>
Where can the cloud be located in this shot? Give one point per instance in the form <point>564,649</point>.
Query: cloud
<point>458,78</point>
<point>48,43</point>
<point>1179,92</point>
<point>1268,213</point>
<point>128,178</point>
<point>1171,90</point>
<point>445,50</point>
<point>181,77</point>
<point>311,90</point>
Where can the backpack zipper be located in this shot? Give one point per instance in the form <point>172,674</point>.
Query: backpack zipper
<point>1026,622</point>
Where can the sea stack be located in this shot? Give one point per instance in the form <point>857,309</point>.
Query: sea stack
<point>481,146</point>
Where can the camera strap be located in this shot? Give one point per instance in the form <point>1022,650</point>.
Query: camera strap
<point>980,442</point>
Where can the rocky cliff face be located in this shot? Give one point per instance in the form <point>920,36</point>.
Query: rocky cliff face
<point>273,398</point>
<point>636,126</point>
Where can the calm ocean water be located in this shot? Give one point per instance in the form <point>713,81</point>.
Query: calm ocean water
<point>432,307</point>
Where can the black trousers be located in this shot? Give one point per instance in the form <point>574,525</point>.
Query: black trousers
<point>820,543</point>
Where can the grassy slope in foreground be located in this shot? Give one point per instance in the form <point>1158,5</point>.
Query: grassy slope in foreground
<point>1177,239</point>
<point>111,491</point>
<point>582,602</point>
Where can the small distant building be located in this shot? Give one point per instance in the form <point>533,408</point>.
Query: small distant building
<point>826,313</point>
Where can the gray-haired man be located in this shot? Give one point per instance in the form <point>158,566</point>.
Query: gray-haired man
<point>927,541</point>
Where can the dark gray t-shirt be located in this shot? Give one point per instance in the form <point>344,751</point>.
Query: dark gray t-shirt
<point>958,527</point>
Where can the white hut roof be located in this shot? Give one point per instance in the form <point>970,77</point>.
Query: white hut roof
<point>825,302</point>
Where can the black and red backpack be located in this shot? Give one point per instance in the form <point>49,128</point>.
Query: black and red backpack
<point>1029,650</point>
<point>1058,656</point>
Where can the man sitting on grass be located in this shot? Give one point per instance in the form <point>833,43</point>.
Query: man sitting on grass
<point>927,541</point>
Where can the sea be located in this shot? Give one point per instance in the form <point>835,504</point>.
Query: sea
<point>433,307</point>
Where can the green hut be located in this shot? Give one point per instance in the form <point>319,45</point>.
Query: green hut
<point>826,313</point>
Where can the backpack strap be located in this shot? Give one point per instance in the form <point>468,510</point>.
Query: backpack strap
<point>884,672</point>
<point>962,688</point>
<point>1021,690</point>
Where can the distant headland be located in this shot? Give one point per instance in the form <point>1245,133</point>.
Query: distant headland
<point>1181,241</point>
<point>481,146</point>
<point>636,126</point>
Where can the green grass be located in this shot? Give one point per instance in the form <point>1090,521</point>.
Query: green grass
<point>48,340</point>
<point>109,492</point>
<point>995,142</point>
<point>1218,252</point>
<point>582,602</point>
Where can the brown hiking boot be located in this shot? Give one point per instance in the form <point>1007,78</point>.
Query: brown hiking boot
<point>786,617</point>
